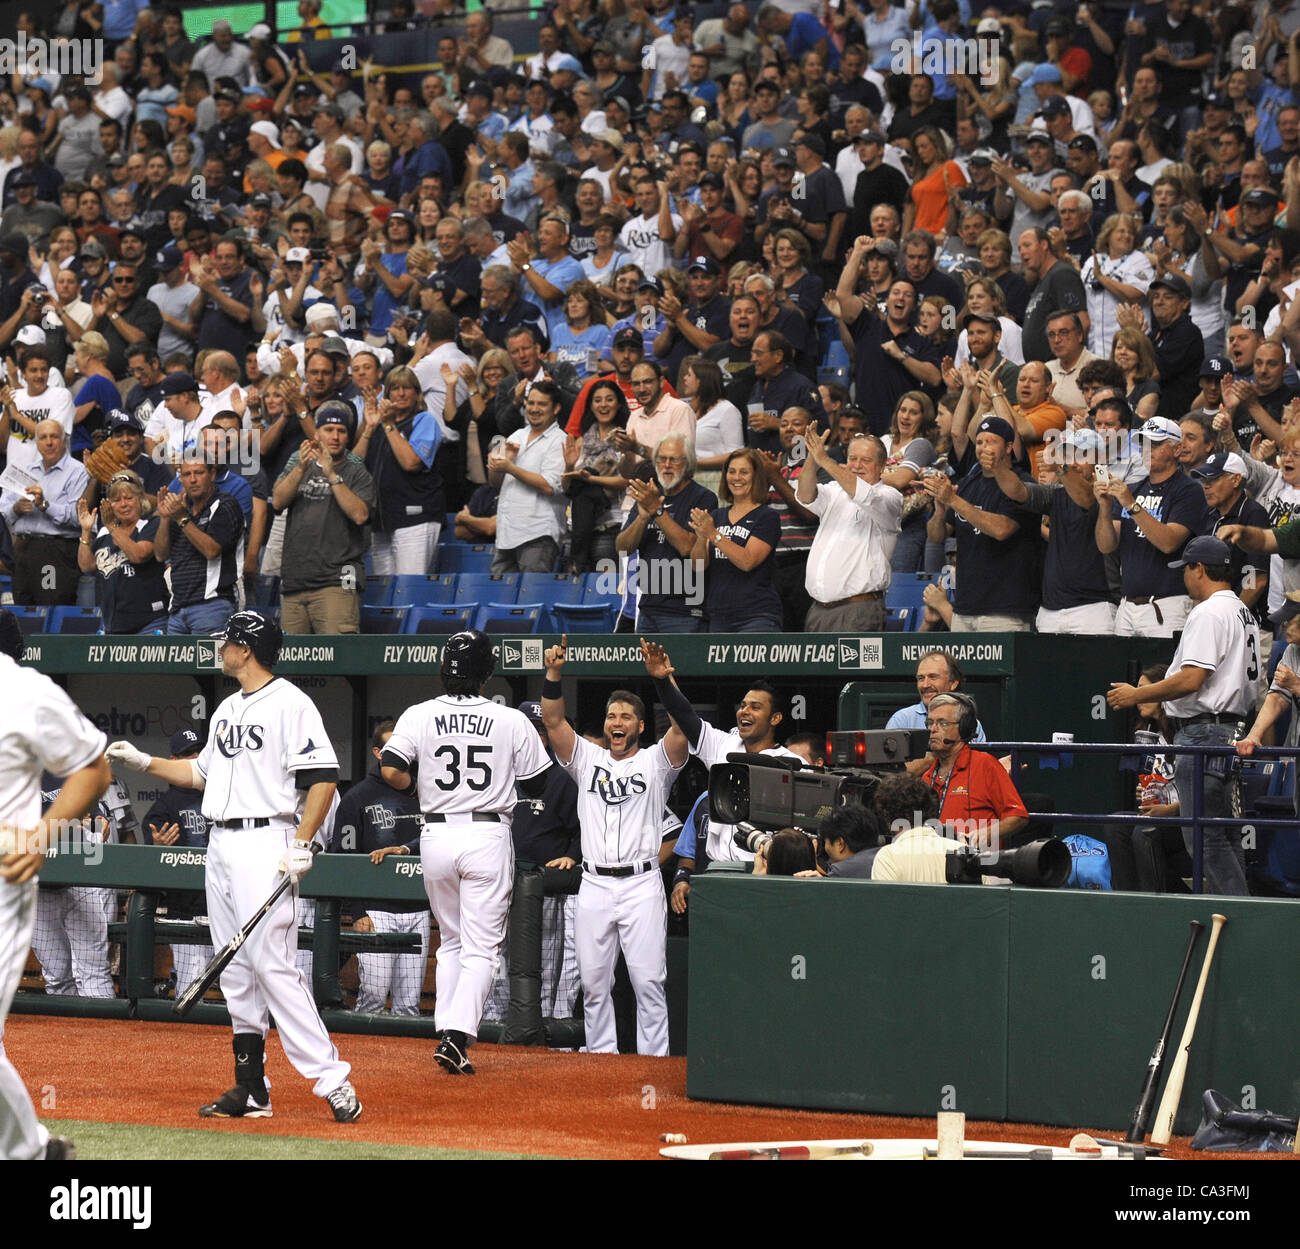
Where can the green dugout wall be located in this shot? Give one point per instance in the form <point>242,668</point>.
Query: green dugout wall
<point>1005,1003</point>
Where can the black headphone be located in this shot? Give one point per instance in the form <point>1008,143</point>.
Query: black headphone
<point>968,720</point>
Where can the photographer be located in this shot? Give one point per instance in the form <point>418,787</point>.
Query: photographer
<point>851,837</point>
<point>917,854</point>
<point>789,853</point>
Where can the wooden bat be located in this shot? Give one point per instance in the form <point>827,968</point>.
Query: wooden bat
<point>1137,1130</point>
<point>221,959</point>
<point>1164,1128</point>
<point>791,1153</point>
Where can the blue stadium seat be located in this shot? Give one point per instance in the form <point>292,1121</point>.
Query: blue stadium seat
<point>907,589</point>
<point>837,355</point>
<point>509,617</point>
<point>440,618</point>
<point>549,588</point>
<point>268,591</point>
<point>462,557</point>
<point>899,620</point>
<point>826,377</point>
<point>30,619</point>
<point>74,620</point>
<point>601,588</point>
<point>486,587</point>
<point>88,587</point>
<point>378,592</point>
<point>583,617</point>
<point>413,590</point>
<point>382,619</point>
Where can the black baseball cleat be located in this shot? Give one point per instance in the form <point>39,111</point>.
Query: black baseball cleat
<point>344,1103</point>
<point>59,1149</point>
<point>237,1103</point>
<point>451,1055</point>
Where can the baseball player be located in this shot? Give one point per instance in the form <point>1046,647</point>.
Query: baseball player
<point>622,792</point>
<point>268,775</point>
<point>374,819</point>
<point>176,819</point>
<point>465,753</point>
<point>39,729</point>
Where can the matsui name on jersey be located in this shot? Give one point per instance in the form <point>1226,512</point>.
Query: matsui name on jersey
<point>467,722</point>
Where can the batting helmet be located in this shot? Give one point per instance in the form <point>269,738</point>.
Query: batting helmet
<point>468,656</point>
<point>256,631</point>
<point>12,642</point>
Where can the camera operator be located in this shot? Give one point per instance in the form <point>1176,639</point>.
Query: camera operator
<point>916,854</point>
<point>972,789</point>
<point>851,836</point>
<point>790,853</point>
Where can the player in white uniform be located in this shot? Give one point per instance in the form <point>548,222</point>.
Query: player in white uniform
<point>39,729</point>
<point>269,776</point>
<point>1208,689</point>
<point>622,793</point>
<point>464,753</point>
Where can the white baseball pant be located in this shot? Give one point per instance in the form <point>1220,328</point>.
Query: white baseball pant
<point>560,979</point>
<point>627,912</point>
<point>400,975</point>
<point>468,873</point>
<point>306,916</point>
<point>71,941</point>
<point>21,1135</point>
<point>261,979</point>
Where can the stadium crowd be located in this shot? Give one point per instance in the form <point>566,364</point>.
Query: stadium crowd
<point>756,309</point>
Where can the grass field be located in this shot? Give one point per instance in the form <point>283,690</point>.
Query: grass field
<point>100,1142</point>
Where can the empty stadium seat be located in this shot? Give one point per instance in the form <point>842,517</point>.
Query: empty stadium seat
<point>462,557</point>
<point>440,618</point>
<point>413,590</point>
<point>88,588</point>
<point>583,617</point>
<point>549,588</point>
<point>509,617</point>
<point>484,587</point>
<point>30,619</point>
<point>268,591</point>
<point>375,619</point>
<point>837,355</point>
<point>74,620</point>
<point>378,592</point>
<point>907,589</point>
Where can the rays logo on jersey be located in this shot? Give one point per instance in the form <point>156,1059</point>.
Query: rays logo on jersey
<point>615,792</point>
<point>231,739</point>
<point>380,816</point>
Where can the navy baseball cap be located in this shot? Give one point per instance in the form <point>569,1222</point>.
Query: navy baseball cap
<point>1173,282</point>
<point>167,258</point>
<point>1217,367</point>
<point>1204,550</point>
<point>651,284</point>
<point>120,418</point>
<point>1220,464</point>
<point>178,384</point>
<point>533,711</point>
<point>1260,198</point>
<point>996,425</point>
<point>706,263</point>
<point>628,337</point>
<point>783,157</point>
<point>1055,106</point>
<point>185,742</point>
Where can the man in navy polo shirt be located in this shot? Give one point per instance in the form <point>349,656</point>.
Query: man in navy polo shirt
<point>1149,525</point>
<point>776,387</point>
<point>1178,344</point>
<point>704,322</point>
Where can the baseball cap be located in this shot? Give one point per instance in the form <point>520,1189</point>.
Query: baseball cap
<point>988,26</point>
<point>480,86</point>
<point>1056,26</point>
<point>41,84</point>
<point>713,180</point>
<point>783,157</point>
<point>260,31</point>
<point>706,263</point>
<point>813,142</point>
<point>989,318</point>
<point>871,136</point>
<point>1216,366</point>
<point>652,284</point>
<point>20,244</point>
<point>132,229</point>
<point>1173,282</point>
<point>1039,136</point>
<point>183,110</point>
<point>167,258</point>
<point>1082,143</point>
<point>335,346</point>
<point>260,200</point>
<point>612,137</point>
<point>1216,99</point>
<point>330,110</point>
<point>1054,106</point>
<point>885,247</point>
<point>23,178</point>
<point>1219,465</point>
<point>996,425</point>
<point>305,89</point>
<point>571,63</point>
<point>268,130</point>
<point>1160,429</point>
<point>321,310</point>
<point>186,741</point>
<point>1086,442</point>
<point>178,384</point>
<point>297,256</point>
<point>982,156</point>
<point>617,101</point>
<point>628,337</point>
<point>120,418</point>
<point>335,412</point>
<point>1045,73</point>
<point>533,711</point>
<point>1260,197</point>
<point>31,336</point>
<point>1205,549</point>
<point>91,247</point>
<point>233,96</point>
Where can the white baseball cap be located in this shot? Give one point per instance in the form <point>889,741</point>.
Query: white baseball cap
<point>31,335</point>
<point>268,130</point>
<point>321,311</point>
<point>260,31</point>
<point>297,255</point>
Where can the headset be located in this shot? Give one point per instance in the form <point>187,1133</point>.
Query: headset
<point>968,719</point>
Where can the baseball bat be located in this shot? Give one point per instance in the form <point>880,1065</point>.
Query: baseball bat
<point>791,1153</point>
<point>1164,1128</point>
<point>1137,1130</point>
<point>221,959</point>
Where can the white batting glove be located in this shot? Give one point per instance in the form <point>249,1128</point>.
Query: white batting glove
<point>127,755</point>
<point>297,859</point>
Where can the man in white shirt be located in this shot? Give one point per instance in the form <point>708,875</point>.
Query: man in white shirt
<point>670,55</point>
<point>36,401</point>
<point>848,565</point>
<point>441,332</point>
<point>647,238</point>
<point>529,470</point>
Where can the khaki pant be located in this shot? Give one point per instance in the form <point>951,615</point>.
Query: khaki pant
<point>866,616</point>
<point>331,610</point>
<point>991,624</point>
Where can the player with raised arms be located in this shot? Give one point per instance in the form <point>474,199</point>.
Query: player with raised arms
<point>622,792</point>
<point>268,775</point>
<point>463,754</point>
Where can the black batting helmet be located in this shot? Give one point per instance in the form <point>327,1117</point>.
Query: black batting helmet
<point>256,631</point>
<point>468,656</point>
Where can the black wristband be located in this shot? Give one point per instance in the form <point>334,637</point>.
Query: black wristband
<point>675,704</point>
<point>682,874</point>
<point>552,689</point>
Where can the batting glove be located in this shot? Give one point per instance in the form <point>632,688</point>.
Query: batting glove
<point>297,859</point>
<point>127,755</point>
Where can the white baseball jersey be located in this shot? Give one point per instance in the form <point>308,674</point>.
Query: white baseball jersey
<point>1221,636</point>
<point>470,752</point>
<point>40,728</point>
<point>714,747</point>
<point>620,801</point>
<point>256,743</point>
